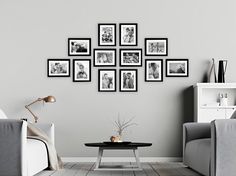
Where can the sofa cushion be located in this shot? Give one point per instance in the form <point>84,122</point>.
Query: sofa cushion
<point>37,156</point>
<point>197,155</point>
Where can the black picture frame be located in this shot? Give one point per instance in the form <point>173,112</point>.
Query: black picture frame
<point>100,79</point>
<point>160,72</point>
<point>95,52</point>
<point>135,81</point>
<point>100,42</point>
<point>134,51</point>
<point>60,65</point>
<point>79,42</point>
<point>179,68</point>
<point>121,34</point>
<point>86,71</point>
<point>157,52</point>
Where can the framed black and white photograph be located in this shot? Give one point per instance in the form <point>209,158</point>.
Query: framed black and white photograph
<point>79,46</point>
<point>128,80</point>
<point>107,80</point>
<point>131,57</point>
<point>81,70</point>
<point>128,34</point>
<point>104,57</point>
<point>177,67</point>
<point>107,34</point>
<point>156,46</point>
<point>58,67</point>
<point>153,70</point>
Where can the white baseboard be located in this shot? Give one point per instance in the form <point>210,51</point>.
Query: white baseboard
<point>122,159</point>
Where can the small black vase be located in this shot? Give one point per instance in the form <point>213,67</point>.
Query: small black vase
<point>222,70</point>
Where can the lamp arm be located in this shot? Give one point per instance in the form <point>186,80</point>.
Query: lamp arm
<point>27,107</point>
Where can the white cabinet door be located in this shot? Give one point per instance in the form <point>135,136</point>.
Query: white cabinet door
<point>207,115</point>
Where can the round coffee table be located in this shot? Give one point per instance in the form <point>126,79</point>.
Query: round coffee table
<point>118,146</point>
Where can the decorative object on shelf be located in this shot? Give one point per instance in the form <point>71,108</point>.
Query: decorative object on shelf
<point>128,80</point>
<point>107,34</point>
<point>81,70</point>
<point>221,70</point>
<point>104,57</point>
<point>79,46</point>
<point>223,99</point>
<point>212,73</point>
<point>128,34</point>
<point>156,46</point>
<point>48,99</point>
<point>177,67</point>
<point>121,125</point>
<point>107,80</point>
<point>153,70</point>
<point>131,57</point>
<point>58,67</point>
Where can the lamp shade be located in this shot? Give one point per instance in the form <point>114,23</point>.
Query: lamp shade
<point>49,99</point>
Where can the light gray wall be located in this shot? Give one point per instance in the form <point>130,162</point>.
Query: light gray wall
<point>32,31</point>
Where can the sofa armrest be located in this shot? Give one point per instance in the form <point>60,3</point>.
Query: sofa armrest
<point>192,131</point>
<point>223,147</point>
<point>13,139</point>
<point>48,128</point>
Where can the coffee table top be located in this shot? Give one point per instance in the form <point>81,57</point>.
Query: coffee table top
<point>114,144</point>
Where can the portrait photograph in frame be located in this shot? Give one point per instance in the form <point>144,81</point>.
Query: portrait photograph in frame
<point>58,67</point>
<point>153,70</point>
<point>104,57</point>
<point>107,80</point>
<point>177,67</point>
<point>128,80</point>
<point>81,70</point>
<point>107,34</point>
<point>156,46</point>
<point>79,46</point>
<point>128,34</point>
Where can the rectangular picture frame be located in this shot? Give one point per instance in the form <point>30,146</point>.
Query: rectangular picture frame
<point>58,67</point>
<point>104,57</point>
<point>154,70</point>
<point>156,46</point>
<point>177,67</point>
<point>79,46</point>
<point>130,85</point>
<point>106,34</point>
<point>81,70</point>
<point>130,57</point>
<point>107,80</point>
<point>128,34</point>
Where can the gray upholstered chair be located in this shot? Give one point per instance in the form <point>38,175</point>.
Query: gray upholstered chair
<point>210,148</point>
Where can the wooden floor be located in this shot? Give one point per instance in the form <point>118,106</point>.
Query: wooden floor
<point>149,169</point>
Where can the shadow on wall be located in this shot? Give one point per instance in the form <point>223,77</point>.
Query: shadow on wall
<point>188,105</point>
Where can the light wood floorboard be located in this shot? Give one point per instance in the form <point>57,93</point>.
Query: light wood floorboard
<point>149,169</point>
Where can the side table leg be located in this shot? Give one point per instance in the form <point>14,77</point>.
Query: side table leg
<point>136,154</point>
<point>99,158</point>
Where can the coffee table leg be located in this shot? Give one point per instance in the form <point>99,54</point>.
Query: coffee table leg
<point>136,154</point>
<point>99,158</point>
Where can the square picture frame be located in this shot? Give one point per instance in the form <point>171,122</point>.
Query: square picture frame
<point>177,67</point>
<point>128,80</point>
<point>81,70</point>
<point>128,34</point>
<point>156,46</point>
<point>107,80</point>
<point>106,34</point>
<point>153,70</point>
<point>104,57</point>
<point>130,57</point>
<point>58,67</point>
<point>79,46</point>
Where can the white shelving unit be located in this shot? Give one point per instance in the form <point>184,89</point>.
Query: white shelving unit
<point>206,101</point>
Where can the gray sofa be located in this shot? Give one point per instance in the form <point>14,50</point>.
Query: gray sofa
<point>210,148</point>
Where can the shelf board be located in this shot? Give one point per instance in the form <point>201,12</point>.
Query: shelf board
<point>218,107</point>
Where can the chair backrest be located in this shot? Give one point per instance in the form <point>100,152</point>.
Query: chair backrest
<point>2,115</point>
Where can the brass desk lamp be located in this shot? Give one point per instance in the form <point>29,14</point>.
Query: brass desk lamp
<point>48,99</point>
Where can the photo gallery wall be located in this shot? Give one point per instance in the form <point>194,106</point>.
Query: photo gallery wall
<point>130,56</point>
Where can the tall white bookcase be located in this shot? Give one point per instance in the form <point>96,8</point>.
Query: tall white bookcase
<point>207,98</point>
